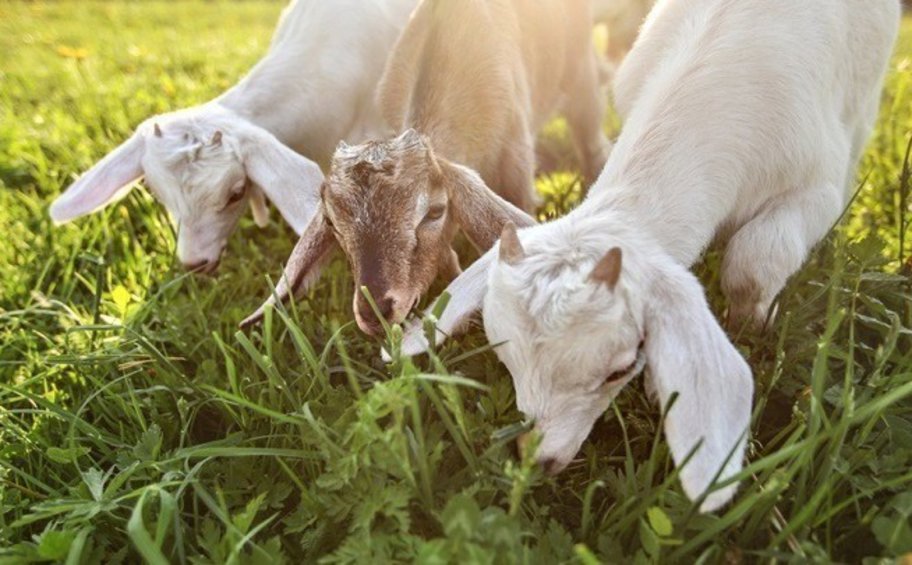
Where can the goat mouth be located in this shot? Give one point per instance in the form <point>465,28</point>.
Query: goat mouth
<point>374,328</point>
<point>204,267</point>
<point>551,466</point>
<point>370,328</point>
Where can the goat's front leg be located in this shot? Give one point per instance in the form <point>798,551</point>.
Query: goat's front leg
<point>767,250</point>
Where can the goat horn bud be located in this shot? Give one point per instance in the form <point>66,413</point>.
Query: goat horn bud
<point>410,137</point>
<point>436,171</point>
<point>157,130</point>
<point>216,138</point>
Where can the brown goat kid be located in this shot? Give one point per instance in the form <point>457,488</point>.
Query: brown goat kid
<point>477,78</point>
<point>394,208</point>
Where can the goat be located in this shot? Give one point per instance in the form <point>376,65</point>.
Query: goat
<point>395,209</point>
<point>745,121</point>
<point>478,78</point>
<point>313,87</point>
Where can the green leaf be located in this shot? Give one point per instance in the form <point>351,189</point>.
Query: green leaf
<point>902,503</point>
<point>461,516</point>
<point>434,552</point>
<point>95,480</point>
<point>55,545</point>
<point>650,541</point>
<point>585,555</point>
<point>149,444</point>
<point>150,549</point>
<point>244,519</point>
<point>660,522</point>
<point>78,546</point>
<point>893,533</point>
<point>69,455</point>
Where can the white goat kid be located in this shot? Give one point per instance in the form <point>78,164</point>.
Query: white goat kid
<point>744,118</point>
<point>313,88</point>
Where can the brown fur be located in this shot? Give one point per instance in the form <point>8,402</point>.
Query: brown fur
<point>480,77</point>
<point>477,78</point>
<point>371,207</point>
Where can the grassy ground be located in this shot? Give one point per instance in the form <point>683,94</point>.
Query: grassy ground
<point>135,420</point>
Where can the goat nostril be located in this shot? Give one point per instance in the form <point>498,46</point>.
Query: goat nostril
<point>385,307</point>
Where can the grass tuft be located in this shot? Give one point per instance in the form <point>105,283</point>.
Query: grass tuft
<point>136,422</point>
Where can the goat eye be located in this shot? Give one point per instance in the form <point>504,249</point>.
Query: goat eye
<point>620,375</point>
<point>237,195</point>
<point>630,370</point>
<point>332,226</point>
<point>434,213</point>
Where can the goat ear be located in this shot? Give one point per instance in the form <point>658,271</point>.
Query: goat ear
<point>106,182</point>
<point>511,249</point>
<point>307,259</point>
<point>467,292</point>
<point>291,181</point>
<point>689,354</point>
<point>258,207</point>
<point>480,212</point>
<point>608,270</point>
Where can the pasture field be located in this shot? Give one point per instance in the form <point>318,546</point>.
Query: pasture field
<point>137,423</point>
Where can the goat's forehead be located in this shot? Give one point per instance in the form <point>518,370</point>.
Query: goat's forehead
<point>189,188</point>
<point>395,193</point>
<point>540,281</point>
<point>562,306</point>
<point>377,151</point>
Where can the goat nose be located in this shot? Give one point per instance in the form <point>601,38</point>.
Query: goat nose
<point>385,306</point>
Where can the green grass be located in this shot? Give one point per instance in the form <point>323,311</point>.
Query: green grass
<point>135,421</point>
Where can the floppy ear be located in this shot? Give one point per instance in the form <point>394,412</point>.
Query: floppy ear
<point>106,182</point>
<point>480,212</point>
<point>310,254</point>
<point>467,294</point>
<point>689,354</point>
<point>258,207</point>
<point>289,180</point>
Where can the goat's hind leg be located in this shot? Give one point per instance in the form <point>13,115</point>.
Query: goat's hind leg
<point>771,247</point>
<point>585,113</point>
<point>516,172</point>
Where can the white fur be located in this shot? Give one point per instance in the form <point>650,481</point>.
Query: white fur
<point>313,88</point>
<point>744,120</point>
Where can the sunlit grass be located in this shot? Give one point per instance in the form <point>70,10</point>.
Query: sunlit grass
<point>135,421</point>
